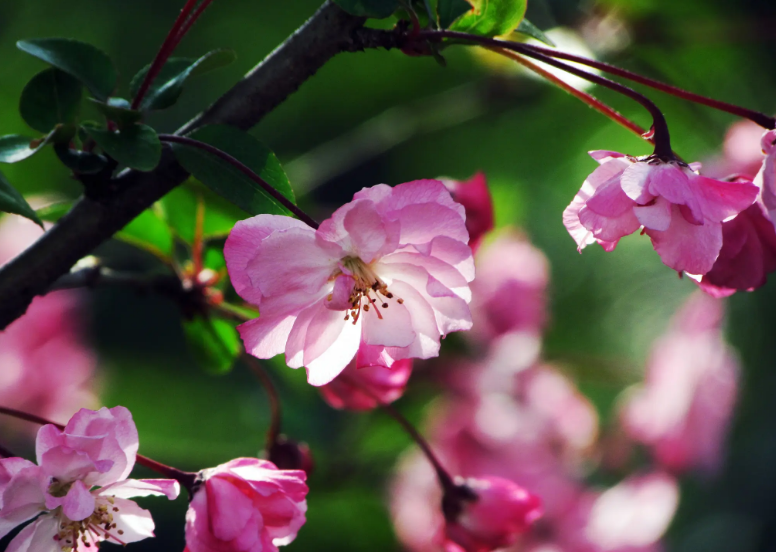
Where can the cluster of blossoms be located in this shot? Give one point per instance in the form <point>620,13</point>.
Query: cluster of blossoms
<point>719,232</point>
<point>78,494</point>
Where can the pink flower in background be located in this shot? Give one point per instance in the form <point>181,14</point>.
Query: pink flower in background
<point>741,155</point>
<point>510,292</point>
<point>474,195</point>
<point>388,273</point>
<point>683,409</point>
<point>499,513</point>
<point>80,486</point>
<point>386,383</point>
<point>246,505</point>
<point>680,210</point>
<point>46,367</point>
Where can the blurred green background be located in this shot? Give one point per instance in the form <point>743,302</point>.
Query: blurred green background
<point>379,116</point>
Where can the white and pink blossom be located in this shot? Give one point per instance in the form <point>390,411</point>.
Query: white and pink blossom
<point>80,486</point>
<point>246,505</point>
<point>680,210</point>
<point>388,273</point>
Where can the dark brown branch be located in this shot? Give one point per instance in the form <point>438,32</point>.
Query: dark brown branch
<point>92,221</point>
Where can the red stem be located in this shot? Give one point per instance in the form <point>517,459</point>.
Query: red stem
<point>186,479</point>
<point>304,217</point>
<point>761,119</point>
<point>193,19</point>
<point>445,480</point>
<point>659,124</point>
<point>170,42</point>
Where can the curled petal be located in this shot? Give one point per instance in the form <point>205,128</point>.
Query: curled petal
<point>132,488</point>
<point>688,247</point>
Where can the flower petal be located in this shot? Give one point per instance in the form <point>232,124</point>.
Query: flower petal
<point>133,522</point>
<point>77,504</point>
<point>266,336</point>
<point>688,247</point>
<point>228,508</point>
<point>38,536</point>
<point>22,495</point>
<point>330,344</point>
<point>721,200</point>
<point>339,298</point>
<point>656,216</point>
<point>394,329</point>
<point>130,488</point>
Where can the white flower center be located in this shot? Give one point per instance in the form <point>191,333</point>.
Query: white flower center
<point>367,284</point>
<point>90,531</point>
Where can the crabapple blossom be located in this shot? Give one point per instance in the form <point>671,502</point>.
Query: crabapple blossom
<point>80,486</point>
<point>766,177</point>
<point>247,505</point>
<point>509,293</point>
<point>683,409</point>
<point>681,211</point>
<point>499,511</point>
<point>387,274</point>
<point>47,368</point>
<point>384,383</point>
<point>474,195</point>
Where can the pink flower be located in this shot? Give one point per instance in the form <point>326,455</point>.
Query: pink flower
<point>499,511</point>
<point>683,409</point>
<point>510,292</point>
<point>246,505</point>
<point>384,383</point>
<point>80,485</point>
<point>474,195</point>
<point>680,210</point>
<point>389,273</point>
<point>766,178</point>
<point>47,368</point>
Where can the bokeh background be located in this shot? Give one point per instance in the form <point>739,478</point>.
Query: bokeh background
<point>379,116</point>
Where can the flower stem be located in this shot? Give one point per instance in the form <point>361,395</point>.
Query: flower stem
<point>761,119</point>
<point>304,217</point>
<point>445,479</point>
<point>168,45</point>
<point>659,124</point>
<point>186,479</point>
<point>589,99</point>
<point>274,399</point>
<point>193,19</point>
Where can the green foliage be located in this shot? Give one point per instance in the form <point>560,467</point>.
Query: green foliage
<point>88,64</point>
<point>214,343</point>
<point>11,201</point>
<point>377,9</point>
<point>528,28</point>
<point>50,98</point>
<point>168,85</point>
<point>80,162</point>
<point>450,10</point>
<point>491,17</point>
<point>54,211</point>
<point>15,147</point>
<point>228,181</point>
<point>136,146</point>
<point>150,232</point>
<point>118,111</point>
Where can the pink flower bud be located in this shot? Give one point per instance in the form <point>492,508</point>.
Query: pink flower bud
<point>363,382</point>
<point>288,454</point>
<point>501,511</point>
<point>245,505</point>
<point>474,195</point>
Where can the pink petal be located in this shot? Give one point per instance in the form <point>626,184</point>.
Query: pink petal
<point>440,270</point>
<point>426,344</point>
<point>130,488</point>
<point>423,222</point>
<point>38,536</point>
<point>295,343</point>
<point>656,216</point>
<point>604,155</point>
<point>609,229</point>
<point>609,200</point>
<point>228,508</point>
<point>676,184</point>
<point>242,244</point>
<point>581,235</point>
<point>635,182</point>
<point>330,344</point>
<point>359,229</point>
<point>339,299</point>
<point>688,247</point>
<point>22,497</point>
<point>394,329</point>
<point>135,523</point>
<point>266,336</point>
<point>456,254</point>
<point>410,193</point>
<point>276,272</point>
<point>721,200</point>
<point>77,504</point>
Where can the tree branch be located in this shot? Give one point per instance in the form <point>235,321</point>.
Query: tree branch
<point>92,221</point>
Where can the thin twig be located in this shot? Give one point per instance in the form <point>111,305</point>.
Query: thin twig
<point>304,217</point>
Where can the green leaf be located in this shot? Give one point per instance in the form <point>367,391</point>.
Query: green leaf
<point>150,232</point>
<point>88,64</point>
<point>168,85</point>
<point>80,162</point>
<point>50,98</point>
<point>14,147</point>
<point>528,28</point>
<point>214,343</point>
<point>450,10</point>
<point>179,208</point>
<point>54,211</point>
<point>377,9</point>
<point>11,201</point>
<point>228,181</point>
<point>491,17</point>
<point>136,146</point>
<point>118,111</point>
